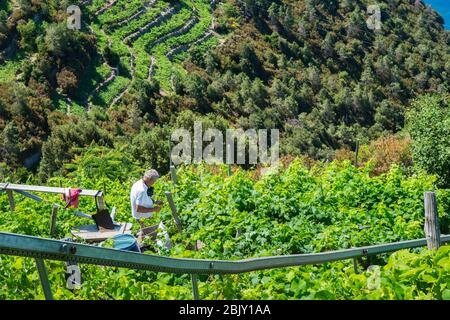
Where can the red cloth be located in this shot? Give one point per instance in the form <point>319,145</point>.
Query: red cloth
<point>71,197</point>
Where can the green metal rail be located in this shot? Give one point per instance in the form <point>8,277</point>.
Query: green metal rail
<point>40,249</point>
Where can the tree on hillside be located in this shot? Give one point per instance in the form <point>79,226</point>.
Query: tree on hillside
<point>151,148</point>
<point>428,122</point>
<point>64,143</point>
<point>3,28</point>
<point>249,61</point>
<point>9,145</point>
<point>57,39</point>
<point>67,81</point>
<point>27,31</point>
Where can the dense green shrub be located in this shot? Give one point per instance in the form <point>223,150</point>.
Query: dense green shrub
<point>295,210</point>
<point>429,126</point>
<point>65,142</point>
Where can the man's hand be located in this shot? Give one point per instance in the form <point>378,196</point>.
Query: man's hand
<point>159,202</point>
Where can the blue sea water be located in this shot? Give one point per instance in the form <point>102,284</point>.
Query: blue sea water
<point>443,7</point>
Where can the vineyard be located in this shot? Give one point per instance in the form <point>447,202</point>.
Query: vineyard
<point>146,37</point>
<point>137,40</point>
<point>93,92</point>
<point>298,210</point>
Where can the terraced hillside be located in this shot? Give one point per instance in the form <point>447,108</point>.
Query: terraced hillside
<point>138,69</point>
<point>136,39</point>
<point>145,36</point>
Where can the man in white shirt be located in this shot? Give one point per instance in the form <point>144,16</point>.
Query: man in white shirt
<point>142,205</point>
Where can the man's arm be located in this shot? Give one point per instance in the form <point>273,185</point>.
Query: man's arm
<point>142,209</point>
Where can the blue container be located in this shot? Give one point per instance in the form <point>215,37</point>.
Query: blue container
<point>126,242</point>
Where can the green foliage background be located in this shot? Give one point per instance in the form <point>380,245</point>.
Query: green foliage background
<point>429,126</point>
<point>312,69</point>
<point>296,210</point>
<point>309,68</point>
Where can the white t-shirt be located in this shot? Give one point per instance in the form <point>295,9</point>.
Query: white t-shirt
<point>138,196</point>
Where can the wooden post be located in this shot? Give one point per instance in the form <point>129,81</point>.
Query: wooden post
<point>53,220</point>
<point>194,279</point>
<point>173,175</point>
<point>113,213</point>
<point>174,211</point>
<point>101,202</point>
<point>12,203</point>
<point>44,279</point>
<point>195,287</point>
<point>230,172</point>
<point>355,265</point>
<point>170,153</point>
<point>356,153</point>
<point>432,232</point>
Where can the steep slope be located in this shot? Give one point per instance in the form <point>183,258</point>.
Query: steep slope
<point>316,70</point>
<point>312,68</point>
